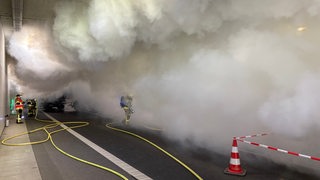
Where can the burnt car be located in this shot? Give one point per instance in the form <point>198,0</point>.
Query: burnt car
<point>54,105</point>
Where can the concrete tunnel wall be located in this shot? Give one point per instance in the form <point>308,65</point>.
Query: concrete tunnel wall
<point>3,81</point>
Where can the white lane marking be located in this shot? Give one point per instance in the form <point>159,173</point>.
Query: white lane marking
<point>123,165</point>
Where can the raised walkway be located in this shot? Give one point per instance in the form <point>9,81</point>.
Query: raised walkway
<point>17,162</point>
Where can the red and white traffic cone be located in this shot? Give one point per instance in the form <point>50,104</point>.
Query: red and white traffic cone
<point>234,166</point>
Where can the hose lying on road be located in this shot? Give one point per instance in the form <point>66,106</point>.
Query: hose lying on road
<point>153,144</point>
<point>46,129</point>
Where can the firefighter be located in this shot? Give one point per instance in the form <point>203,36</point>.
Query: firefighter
<point>31,107</point>
<point>34,102</point>
<point>126,105</point>
<point>19,108</point>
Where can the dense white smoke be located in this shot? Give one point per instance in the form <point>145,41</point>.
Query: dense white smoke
<point>204,70</point>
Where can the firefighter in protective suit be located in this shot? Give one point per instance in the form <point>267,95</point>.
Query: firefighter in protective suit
<point>126,105</point>
<point>19,108</point>
<point>32,105</point>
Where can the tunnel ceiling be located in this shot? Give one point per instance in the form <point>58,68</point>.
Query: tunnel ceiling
<point>16,13</point>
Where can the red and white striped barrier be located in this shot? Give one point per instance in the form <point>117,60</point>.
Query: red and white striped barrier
<point>255,135</point>
<point>235,167</point>
<point>278,149</point>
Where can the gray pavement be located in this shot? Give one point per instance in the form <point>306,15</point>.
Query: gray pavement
<point>44,162</point>
<point>17,162</point>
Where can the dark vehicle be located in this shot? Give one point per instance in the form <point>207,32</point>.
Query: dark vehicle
<point>54,106</point>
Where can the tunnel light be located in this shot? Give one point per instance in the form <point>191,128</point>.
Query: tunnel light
<point>301,28</point>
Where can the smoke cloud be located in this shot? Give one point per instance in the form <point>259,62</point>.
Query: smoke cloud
<point>203,70</point>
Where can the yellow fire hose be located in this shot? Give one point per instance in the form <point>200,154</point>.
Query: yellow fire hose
<point>82,124</point>
<point>49,137</point>
<point>156,146</point>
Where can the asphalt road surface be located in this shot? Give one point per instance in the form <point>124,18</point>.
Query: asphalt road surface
<point>137,153</point>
